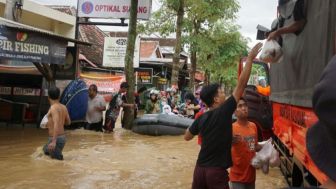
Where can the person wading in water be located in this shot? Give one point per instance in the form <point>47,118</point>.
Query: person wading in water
<point>58,116</point>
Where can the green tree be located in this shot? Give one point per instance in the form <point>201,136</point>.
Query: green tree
<point>167,20</point>
<point>220,52</point>
<point>129,70</point>
<point>213,41</point>
<point>201,17</point>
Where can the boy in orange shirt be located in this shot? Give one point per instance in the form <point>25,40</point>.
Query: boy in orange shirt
<point>244,145</point>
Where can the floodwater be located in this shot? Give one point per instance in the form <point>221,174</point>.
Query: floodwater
<point>122,159</point>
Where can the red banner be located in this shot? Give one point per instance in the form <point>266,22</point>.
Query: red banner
<point>105,83</point>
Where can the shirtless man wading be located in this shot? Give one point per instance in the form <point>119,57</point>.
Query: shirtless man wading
<point>58,116</point>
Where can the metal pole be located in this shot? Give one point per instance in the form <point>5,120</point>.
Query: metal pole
<point>76,45</point>
<point>103,23</point>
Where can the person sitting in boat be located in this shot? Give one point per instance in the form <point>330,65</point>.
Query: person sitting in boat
<point>173,97</point>
<point>152,104</point>
<point>191,107</point>
<point>163,101</point>
<point>167,110</point>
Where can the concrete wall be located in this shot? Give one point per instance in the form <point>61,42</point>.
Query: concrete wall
<point>43,17</point>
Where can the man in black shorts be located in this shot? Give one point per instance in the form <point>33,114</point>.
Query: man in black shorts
<point>215,128</point>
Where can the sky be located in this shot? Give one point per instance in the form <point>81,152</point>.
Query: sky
<point>251,13</point>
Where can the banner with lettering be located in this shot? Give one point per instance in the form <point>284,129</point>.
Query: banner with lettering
<point>112,8</point>
<point>115,52</point>
<point>144,75</point>
<point>31,47</point>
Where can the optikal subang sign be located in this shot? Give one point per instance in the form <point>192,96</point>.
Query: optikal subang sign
<point>112,8</point>
<point>31,47</point>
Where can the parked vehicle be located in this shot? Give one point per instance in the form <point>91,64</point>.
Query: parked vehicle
<point>288,110</point>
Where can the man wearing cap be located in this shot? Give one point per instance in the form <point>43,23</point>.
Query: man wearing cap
<point>321,137</point>
<point>113,111</point>
<point>286,12</point>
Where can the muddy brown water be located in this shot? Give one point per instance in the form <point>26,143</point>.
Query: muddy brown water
<point>96,160</point>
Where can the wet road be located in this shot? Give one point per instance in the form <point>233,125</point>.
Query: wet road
<point>96,160</point>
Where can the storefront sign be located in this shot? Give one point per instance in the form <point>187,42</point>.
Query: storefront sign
<point>104,86</point>
<point>5,90</point>
<point>26,91</point>
<point>31,47</point>
<point>112,8</point>
<point>144,75</point>
<point>162,81</point>
<point>115,52</point>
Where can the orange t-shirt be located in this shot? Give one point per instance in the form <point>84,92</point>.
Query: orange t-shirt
<point>243,152</point>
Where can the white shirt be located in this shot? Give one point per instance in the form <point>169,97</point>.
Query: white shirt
<point>93,115</point>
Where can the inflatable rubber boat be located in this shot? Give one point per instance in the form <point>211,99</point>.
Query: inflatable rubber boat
<point>161,124</point>
<point>75,97</point>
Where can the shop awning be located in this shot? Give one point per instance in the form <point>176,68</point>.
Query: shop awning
<point>27,28</point>
<point>21,42</point>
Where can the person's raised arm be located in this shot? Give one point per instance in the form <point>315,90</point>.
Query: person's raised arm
<point>245,74</point>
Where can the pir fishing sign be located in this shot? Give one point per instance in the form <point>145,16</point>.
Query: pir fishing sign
<point>31,47</point>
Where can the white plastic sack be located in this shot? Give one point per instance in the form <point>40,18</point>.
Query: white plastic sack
<point>271,52</point>
<point>266,151</point>
<point>256,162</point>
<point>265,167</point>
<point>44,122</point>
<point>275,159</point>
<point>267,156</point>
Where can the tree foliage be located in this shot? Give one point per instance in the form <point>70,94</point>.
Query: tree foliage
<point>220,53</point>
<point>208,33</point>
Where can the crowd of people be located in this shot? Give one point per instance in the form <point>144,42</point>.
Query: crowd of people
<point>223,144</point>
<point>170,101</point>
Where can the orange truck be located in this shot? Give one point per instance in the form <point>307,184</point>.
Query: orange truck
<point>287,112</point>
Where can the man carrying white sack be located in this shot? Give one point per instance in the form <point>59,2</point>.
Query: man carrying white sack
<point>244,146</point>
